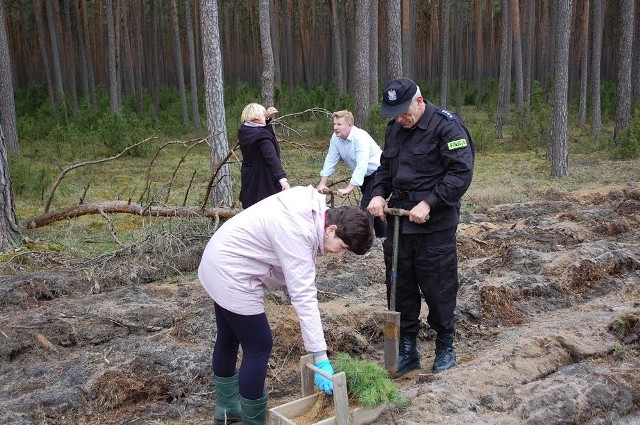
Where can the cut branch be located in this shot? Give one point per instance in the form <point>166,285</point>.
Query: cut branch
<point>124,207</point>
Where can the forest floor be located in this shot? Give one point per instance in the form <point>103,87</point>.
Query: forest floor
<point>549,329</point>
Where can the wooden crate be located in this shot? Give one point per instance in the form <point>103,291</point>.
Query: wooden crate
<point>284,414</point>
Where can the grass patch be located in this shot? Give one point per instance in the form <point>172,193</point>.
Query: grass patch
<point>499,177</point>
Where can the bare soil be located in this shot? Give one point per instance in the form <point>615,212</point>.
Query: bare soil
<point>549,329</point>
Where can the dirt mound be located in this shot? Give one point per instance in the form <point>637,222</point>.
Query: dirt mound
<point>549,328</point>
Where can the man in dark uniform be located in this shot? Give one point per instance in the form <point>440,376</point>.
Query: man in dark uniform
<point>426,166</point>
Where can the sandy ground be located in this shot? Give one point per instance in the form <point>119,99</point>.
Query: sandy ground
<point>549,329</point>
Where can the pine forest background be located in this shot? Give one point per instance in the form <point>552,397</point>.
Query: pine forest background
<point>302,39</point>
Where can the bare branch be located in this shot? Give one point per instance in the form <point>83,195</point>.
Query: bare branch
<point>82,164</point>
<point>289,130</point>
<point>112,229</point>
<point>175,170</point>
<point>215,173</point>
<point>186,193</point>
<point>311,111</point>
<point>147,186</point>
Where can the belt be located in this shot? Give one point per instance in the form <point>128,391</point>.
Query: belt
<point>409,195</point>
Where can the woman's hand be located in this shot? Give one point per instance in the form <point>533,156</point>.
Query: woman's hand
<point>284,183</point>
<point>270,112</point>
<point>321,382</point>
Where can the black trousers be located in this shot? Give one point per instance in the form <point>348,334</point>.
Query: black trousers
<point>427,268</point>
<point>379,226</point>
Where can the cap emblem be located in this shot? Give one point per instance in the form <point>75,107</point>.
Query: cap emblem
<point>391,95</point>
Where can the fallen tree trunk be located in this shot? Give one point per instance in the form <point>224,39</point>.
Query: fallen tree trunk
<point>124,207</point>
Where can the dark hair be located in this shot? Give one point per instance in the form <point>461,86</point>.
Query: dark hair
<point>353,227</point>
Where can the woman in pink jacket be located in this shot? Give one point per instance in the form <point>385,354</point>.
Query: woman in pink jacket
<point>272,244</point>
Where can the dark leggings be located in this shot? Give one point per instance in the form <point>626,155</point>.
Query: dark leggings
<point>254,335</point>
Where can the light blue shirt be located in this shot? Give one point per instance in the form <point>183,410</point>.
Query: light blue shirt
<point>360,152</point>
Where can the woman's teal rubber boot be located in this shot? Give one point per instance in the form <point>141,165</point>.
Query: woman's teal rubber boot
<point>254,412</point>
<point>227,402</point>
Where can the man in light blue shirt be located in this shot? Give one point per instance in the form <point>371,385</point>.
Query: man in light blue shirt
<point>361,153</point>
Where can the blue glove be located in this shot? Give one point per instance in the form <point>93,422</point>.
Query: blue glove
<point>323,383</point>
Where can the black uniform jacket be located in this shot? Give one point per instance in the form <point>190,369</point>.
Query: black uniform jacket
<point>431,162</point>
<point>261,168</point>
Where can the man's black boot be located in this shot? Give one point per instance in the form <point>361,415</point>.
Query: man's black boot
<point>409,358</point>
<point>445,354</point>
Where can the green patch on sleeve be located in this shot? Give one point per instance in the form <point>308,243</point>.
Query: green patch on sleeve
<point>457,144</point>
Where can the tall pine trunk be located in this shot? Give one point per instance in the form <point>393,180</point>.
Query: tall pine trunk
<point>504,82</point>
<point>635,82</point>
<point>55,53</point>
<point>373,53</point>
<point>336,48</point>
<point>394,28</point>
<point>361,65</point>
<point>70,56</point>
<point>527,51</point>
<point>517,55</point>
<point>44,50</point>
<point>459,54</point>
<point>274,11</point>
<point>88,50</point>
<point>623,95</point>
<point>82,53</point>
<point>408,25</point>
<point>155,66</point>
<point>9,230</point>
<point>267,78</point>
<point>8,122</point>
<point>289,58</point>
<point>559,114</point>
<point>479,50</point>
<point>596,56</point>
<point>25,31</point>
<point>193,75</point>
<point>584,62</point>
<point>139,56</point>
<point>128,51</point>
<point>214,98</point>
<point>113,72</point>
<point>445,32</point>
<point>177,58</point>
